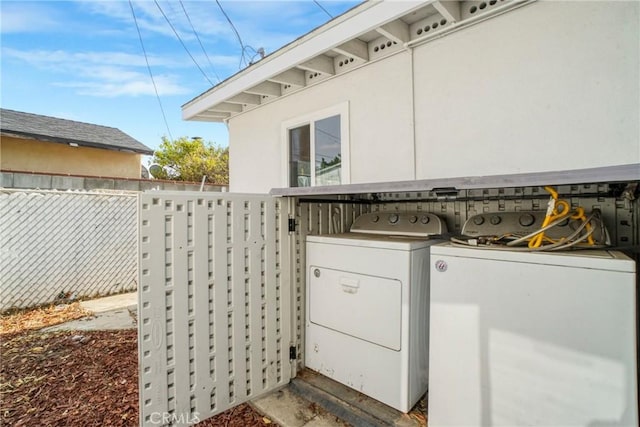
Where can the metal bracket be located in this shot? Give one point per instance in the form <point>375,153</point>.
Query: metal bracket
<point>292,225</point>
<point>292,353</point>
<point>445,193</point>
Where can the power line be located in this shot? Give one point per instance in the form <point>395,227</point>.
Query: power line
<point>155,88</point>
<point>182,43</point>
<point>235,30</point>
<point>244,48</point>
<point>199,41</point>
<point>325,10</point>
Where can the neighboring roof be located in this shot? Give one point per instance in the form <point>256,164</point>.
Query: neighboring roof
<point>369,32</point>
<point>62,131</point>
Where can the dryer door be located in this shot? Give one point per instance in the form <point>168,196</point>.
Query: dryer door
<point>362,306</point>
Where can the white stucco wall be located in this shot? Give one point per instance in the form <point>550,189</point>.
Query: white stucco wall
<point>551,86</point>
<point>380,127</point>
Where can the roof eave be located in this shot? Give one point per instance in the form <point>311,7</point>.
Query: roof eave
<point>67,141</point>
<point>359,20</point>
<point>367,33</point>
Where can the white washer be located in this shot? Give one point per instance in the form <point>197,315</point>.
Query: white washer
<point>367,306</point>
<point>536,339</point>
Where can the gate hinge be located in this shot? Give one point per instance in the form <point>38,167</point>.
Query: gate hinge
<point>292,225</point>
<point>292,353</point>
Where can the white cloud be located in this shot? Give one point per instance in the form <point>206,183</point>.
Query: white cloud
<point>64,59</point>
<point>121,69</point>
<point>105,74</point>
<point>27,17</point>
<point>150,18</point>
<point>132,84</point>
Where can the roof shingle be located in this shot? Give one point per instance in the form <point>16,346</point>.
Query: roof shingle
<point>52,129</point>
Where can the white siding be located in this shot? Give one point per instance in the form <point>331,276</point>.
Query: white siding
<point>550,86</point>
<point>381,131</point>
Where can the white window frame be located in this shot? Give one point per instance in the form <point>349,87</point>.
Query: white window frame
<point>341,110</point>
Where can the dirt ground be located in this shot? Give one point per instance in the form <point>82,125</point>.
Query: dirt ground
<point>78,378</point>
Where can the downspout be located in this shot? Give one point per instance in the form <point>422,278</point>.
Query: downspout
<point>409,48</point>
<point>413,111</point>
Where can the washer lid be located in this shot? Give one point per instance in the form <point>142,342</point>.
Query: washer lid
<point>399,223</point>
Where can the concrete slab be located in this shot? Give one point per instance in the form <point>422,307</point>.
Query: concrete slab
<point>352,406</point>
<point>290,410</point>
<point>109,313</point>
<point>123,318</point>
<point>324,422</point>
<point>113,302</point>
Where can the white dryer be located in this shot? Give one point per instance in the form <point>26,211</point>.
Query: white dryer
<point>367,305</point>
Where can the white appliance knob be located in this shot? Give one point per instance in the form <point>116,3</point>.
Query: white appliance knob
<point>526,220</point>
<point>393,218</point>
<point>495,220</point>
<point>413,219</point>
<point>425,219</point>
<point>375,218</point>
<point>479,220</point>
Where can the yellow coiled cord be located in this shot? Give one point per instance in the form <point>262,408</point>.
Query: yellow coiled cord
<point>556,210</point>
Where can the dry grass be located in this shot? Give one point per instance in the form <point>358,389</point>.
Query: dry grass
<point>38,318</point>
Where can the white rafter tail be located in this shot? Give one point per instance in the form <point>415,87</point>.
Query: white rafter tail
<point>293,77</point>
<point>396,31</point>
<point>266,88</point>
<point>226,107</point>
<point>449,9</point>
<point>245,99</point>
<point>355,48</point>
<point>319,64</point>
<point>212,116</point>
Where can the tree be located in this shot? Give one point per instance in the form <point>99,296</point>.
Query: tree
<point>189,159</point>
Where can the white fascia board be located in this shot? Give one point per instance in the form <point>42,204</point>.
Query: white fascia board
<point>361,20</point>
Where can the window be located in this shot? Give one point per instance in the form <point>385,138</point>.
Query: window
<point>317,149</point>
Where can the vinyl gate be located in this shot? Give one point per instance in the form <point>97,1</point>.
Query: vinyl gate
<point>214,303</point>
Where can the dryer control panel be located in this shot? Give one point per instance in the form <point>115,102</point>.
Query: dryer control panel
<point>400,223</point>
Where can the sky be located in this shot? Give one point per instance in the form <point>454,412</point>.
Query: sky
<point>84,61</point>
